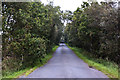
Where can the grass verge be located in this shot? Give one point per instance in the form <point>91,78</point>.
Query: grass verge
<point>107,67</point>
<point>27,71</point>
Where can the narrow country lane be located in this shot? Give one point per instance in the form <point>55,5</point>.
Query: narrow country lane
<point>65,64</point>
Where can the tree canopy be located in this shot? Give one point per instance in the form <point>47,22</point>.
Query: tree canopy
<point>94,27</point>
<point>29,32</point>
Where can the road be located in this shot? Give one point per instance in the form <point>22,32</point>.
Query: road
<point>65,64</point>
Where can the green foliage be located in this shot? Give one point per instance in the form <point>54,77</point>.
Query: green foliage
<point>28,70</point>
<point>94,27</point>
<point>29,32</point>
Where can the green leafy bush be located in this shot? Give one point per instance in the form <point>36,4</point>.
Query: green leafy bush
<point>29,32</point>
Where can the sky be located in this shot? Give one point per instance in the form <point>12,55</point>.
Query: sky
<point>67,4</point>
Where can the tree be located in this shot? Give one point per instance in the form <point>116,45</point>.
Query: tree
<point>94,27</point>
<point>29,32</point>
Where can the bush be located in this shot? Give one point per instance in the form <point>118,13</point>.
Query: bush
<point>24,53</point>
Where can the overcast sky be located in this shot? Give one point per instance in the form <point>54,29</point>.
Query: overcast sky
<point>67,4</point>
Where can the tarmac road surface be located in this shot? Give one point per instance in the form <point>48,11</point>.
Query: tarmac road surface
<point>65,64</point>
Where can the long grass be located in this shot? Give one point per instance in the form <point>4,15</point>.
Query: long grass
<point>107,67</point>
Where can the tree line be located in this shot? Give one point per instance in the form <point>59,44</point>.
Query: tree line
<point>29,32</point>
<point>31,29</point>
<point>94,27</point>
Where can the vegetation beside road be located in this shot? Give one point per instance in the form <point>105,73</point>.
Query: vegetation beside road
<point>29,32</point>
<point>30,69</point>
<point>94,27</point>
<point>107,67</point>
